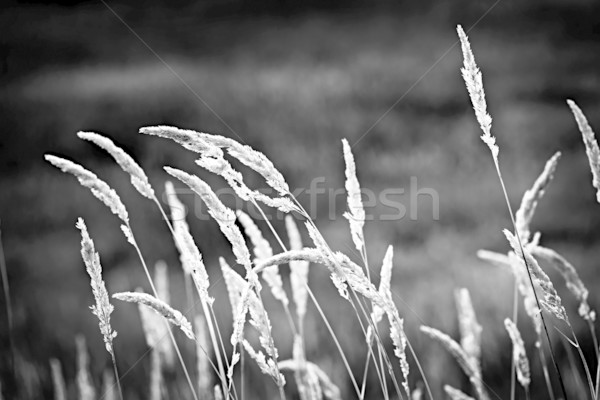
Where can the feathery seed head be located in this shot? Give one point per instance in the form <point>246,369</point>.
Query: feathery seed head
<point>470,329</point>
<point>519,355</point>
<point>591,145</point>
<point>530,200</point>
<point>474,83</point>
<point>138,177</point>
<point>160,307</point>
<point>98,187</point>
<point>298,269</point>
<point>569,273</point>
<point>102,309</point>
<point>356,211</point>
<point>551,301</point>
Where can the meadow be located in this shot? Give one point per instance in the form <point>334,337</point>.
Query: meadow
<point>293,90</point>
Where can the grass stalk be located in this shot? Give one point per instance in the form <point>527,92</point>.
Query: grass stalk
<point>7,300</point>
<point>175,345</point>
<point>205,307</point>
<point>513,366</point>
<point>114,363</point>
<point>584,362</point>
<point>544,363</point>
<point>512,217</point>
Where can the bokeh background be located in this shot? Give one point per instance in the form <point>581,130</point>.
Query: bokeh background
<point>292,79</point>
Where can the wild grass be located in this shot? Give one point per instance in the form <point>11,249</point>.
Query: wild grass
<point>221,363</point>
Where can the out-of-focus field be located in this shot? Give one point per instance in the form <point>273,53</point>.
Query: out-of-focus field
<point>293,87</point>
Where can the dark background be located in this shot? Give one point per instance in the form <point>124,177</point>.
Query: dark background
<point>292,79</point>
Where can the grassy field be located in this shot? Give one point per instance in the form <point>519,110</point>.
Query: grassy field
<point>293,88</point>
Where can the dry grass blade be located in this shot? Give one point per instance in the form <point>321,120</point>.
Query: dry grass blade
<point>591,145</point>
<point>461,357</point>
<point>138,177</point>
<point>518,353</point>
<point>156,376</point>
<point>102,309</point>
<point>571,277</point>
<point>203,367</point>
<point>530,200</point>
<point>470,329</point>
<point>328,388</point>
<point>160,307</point>
<point>98,187</point>
<point>108,386</point>
<point>58,380</point>
<point>85,385</point>
<point>456,394</point>
<point>497,259</point>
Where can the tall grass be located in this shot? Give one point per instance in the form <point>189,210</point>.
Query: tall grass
<point>222,361</point>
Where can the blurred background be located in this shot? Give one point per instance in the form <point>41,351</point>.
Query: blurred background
<point>292,79</point>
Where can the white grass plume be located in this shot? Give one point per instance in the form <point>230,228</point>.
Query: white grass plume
<point>470,329</point>
<point>98,187</point>
<point>518,354</point>
<point>388,308</point>
<point>85,385</point>
<point>328,388</point>
<point>262,251</point>
<point>205,143</point>
<point>571,277</point>
<point>102,309</point>
<point>298,270</point>
<point>189,139</point>
<point>266,365</point>
<point>513,265</point>
<point>156,376</point>
<point>109,391</point>
<point>218,165</point>
<point>224,216</point>
<point>591,145</point>
<point>58,380</point>
<point>245,301</point>
<point>189,255</point>
<point>356,212</point>
<point>474,82</point>
<point>251,158</point>
<point>455,394</point>
<point>461,357</point>
<point>203,367</point>
<point>160,307</point>
<point>530,200</point>
<point>551,301</point>
<point>139,180</point>
<point>218,394</point>
<point>156,332</point>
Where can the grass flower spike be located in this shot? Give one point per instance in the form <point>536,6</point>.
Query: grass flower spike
<point>519,355</point>
<point>591,145</point>
<point>88,179</point>
<point>474,82</point>
<point>102,309</point>
<point>138,177</point>
<point>162,308</point>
